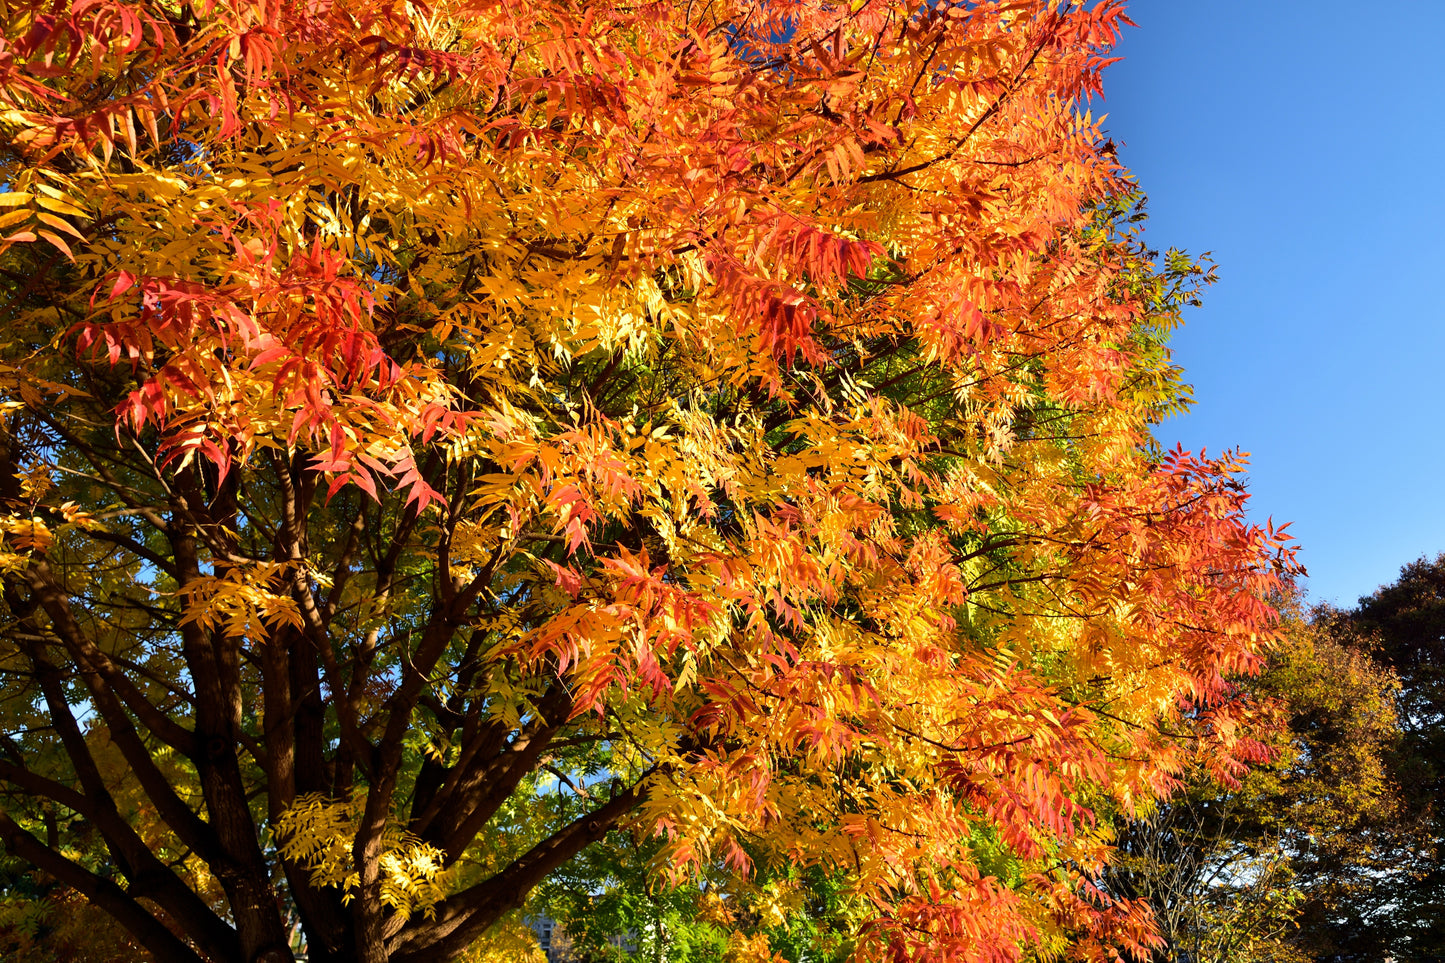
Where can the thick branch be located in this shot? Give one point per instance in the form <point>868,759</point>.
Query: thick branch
<point>148,877</point>
<point>162,944</point>
<point>464,916</point>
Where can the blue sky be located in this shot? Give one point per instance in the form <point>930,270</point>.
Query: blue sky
<point>1303,144</point>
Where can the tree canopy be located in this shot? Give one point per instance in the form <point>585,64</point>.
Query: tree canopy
<point>435,435</point>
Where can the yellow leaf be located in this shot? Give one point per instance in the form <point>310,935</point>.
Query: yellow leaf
<point>60,206</point>
<point>10,218</point>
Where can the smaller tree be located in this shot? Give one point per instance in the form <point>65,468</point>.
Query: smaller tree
<point>1396,905</point>
<point>1231,868</point>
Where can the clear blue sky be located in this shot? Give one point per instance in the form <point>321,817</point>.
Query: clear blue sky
<point>1304,145</point>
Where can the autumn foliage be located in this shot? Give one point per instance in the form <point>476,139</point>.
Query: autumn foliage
<point>437,435</point>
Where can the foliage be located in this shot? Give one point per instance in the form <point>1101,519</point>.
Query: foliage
<point>42,922</point>
<point>437,436</point>
<point>316,832</point>
<point>510,940</point>
<point>615,905</point>
<point>780,910</point>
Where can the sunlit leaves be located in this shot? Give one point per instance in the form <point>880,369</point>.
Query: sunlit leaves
<point>318,833</point>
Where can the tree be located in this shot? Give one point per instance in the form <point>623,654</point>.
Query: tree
<point>435,436</point>
<point>1394,906</point>
<point>1237,871</point>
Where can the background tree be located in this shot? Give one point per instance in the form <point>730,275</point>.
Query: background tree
<point>1395,905</point>
<point>736,415</point>
<point>1246,870</point>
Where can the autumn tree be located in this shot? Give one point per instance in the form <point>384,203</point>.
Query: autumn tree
<point>436,435</point>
